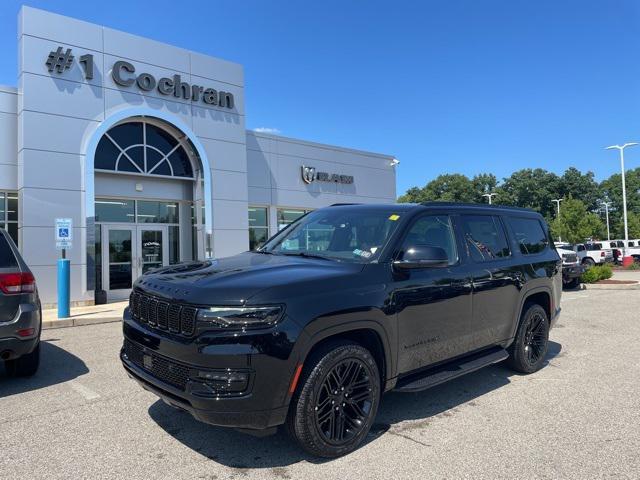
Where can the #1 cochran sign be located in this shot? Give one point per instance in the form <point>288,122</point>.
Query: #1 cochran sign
<point>64,233</point>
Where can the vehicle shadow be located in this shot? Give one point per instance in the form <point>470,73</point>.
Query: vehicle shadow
<point>56,366</point>
<point>241,451</point>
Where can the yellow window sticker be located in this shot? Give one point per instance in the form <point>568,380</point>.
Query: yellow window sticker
<point>394,217</point>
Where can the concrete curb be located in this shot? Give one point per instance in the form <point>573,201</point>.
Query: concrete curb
<point>77,322</point>
<point>609,286</point>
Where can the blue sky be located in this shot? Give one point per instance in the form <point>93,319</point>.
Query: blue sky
<point>445,86</point>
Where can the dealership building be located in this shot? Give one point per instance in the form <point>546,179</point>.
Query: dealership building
<point>143,146</point>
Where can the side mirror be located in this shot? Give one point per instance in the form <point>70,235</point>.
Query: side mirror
<point>422,256</point>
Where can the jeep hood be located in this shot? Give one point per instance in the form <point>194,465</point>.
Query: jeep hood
<point>235,280</point>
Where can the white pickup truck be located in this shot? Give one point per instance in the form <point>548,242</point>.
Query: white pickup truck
<point>632,247</point>
<point>592,253</point>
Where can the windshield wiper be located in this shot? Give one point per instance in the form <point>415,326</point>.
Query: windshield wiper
<point>265,252</point>
<point>310,255</point>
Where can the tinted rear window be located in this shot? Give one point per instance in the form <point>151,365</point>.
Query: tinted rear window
<point>484,238</point>
<point>529,234</point>
<point>7,258</point>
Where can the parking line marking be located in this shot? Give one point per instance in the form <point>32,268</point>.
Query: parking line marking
<point>573,297</point>
<point>86,392</point>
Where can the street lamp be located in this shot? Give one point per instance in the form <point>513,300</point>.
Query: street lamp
<point>558,200</point>
<point>489,196</point>
<point>624,192</point>
<point>606,210</point>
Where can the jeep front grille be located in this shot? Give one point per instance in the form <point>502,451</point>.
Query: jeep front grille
<point>162,315</point>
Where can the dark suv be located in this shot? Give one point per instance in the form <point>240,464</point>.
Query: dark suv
<point>20,312</point>
<point>348,302</point>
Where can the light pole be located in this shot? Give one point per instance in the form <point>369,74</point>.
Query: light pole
<point>624,192</point>
<point>489,196</point>
<point>606,211</point>
<point>558,200</point>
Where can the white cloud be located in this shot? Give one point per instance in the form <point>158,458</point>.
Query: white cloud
<point>272,131</point>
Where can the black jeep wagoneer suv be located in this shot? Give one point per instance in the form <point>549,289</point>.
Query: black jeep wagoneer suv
<point>348,302</point>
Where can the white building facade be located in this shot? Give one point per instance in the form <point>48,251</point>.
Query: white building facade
<point>143,146</point>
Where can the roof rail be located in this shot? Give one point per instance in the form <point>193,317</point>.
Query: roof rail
<point>476,205</point>
<point>344,204</point>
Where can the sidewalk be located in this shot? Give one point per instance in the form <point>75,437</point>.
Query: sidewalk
<point>626,275</point>
<point>111,312</point>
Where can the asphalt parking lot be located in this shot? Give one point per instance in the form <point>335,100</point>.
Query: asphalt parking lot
<point>579,417</point>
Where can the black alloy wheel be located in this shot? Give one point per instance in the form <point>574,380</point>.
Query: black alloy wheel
<point>529,348</point>
<point>336,400</point>
<point>535,338</point>
<point>344,402</point>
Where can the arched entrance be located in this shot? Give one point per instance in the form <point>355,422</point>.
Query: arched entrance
<point>149,202</point>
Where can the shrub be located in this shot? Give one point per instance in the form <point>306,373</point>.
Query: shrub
<point>596,273</point>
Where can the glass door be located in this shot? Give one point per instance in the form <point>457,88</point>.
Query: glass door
<point>153,248</point>
<point>118,258</point>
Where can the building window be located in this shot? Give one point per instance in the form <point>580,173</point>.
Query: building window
<point>157,212</point>
<point>287,216</point>
<point>143,148</point>
<point>115,210</point>
<point>9,214</point>
<point>258,227</point>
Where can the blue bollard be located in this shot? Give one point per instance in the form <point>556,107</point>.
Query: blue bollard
<point>64,288</point>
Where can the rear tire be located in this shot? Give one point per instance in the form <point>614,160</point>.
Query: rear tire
<point>336,401</point>
<point>528,351</point>
<point>24,366</point>
<point>588,262</point>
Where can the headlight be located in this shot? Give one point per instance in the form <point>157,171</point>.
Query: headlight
<point>240,317</point>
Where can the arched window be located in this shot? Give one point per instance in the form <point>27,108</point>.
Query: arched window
<point>141,147</point>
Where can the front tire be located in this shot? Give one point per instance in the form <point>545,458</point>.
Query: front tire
<point>588,262</point>
<point>24,366</point>
<point>527,353</point>
<point>336,401</point>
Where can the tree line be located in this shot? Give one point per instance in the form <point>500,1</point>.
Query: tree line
<point>582,213</point>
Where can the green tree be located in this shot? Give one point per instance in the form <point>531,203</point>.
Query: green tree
<point>530,188</point>
<point>633,224</point>
<point>453,187</point>
<point>580,186</point>
<point>576,223</point>
<point>484,183</point>
<point>611,188</point>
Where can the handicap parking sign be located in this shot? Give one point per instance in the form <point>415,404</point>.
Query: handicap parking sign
<point>64,233</point>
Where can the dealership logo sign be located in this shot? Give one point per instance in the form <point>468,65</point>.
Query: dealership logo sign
<point>124,74</point>
<point>310,174</point>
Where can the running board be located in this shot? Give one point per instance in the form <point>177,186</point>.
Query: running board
<point>449,371</point>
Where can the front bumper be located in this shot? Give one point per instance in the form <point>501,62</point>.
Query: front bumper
<point>569,272</point>
<point>265,356</point>
<point>12,345</point>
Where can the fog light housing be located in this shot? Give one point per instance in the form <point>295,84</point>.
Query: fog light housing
<point>219,382</point>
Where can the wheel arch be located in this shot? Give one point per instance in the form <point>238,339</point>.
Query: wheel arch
<point>541,296</point>
<point>368,334</point>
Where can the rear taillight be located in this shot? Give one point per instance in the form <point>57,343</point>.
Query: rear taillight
<point>14,283</point>
<point>602,254</point>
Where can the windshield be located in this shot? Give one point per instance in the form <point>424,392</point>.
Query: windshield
<point>339,233</point>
